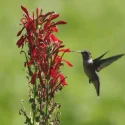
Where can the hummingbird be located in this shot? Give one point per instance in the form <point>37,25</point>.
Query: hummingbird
<point>92,67</point>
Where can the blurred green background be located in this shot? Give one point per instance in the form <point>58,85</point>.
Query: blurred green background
<point>96,25</point>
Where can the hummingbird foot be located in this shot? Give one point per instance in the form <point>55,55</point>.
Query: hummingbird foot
<point>90,81</point>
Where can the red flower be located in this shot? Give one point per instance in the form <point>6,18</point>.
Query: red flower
<point>62,79</point>
<point>54,38</point>
<point>44,57</point>
<point>68,63</point>
<point>45,50</point>
<point>21,41</point>
<point>33,78</point>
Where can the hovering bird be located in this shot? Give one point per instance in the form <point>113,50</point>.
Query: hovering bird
<point>92,67</point>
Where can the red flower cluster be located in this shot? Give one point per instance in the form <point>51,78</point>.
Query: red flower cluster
<point>46,51</point>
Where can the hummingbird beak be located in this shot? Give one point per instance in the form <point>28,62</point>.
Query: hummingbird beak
<point>76,51</point>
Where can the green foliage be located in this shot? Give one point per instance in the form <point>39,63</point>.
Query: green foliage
<point>97,25</point>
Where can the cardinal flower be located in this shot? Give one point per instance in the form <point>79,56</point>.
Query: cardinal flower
<point>44,58</point>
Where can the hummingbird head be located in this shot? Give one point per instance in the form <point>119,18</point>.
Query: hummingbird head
<point>86,55</point>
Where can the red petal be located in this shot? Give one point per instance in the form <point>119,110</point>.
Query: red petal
<point>62,79</point>
<point>25,10</point>
<point>38,10</point>
<point>23,20</point>
<point>54,16</point>
<point>30,40</point>
<point>58,59</point>
<point>54,38</point>
<point>28,24</point>
<point>33,79</point>
<point>65,50</point>
<point>46,25</point>
<point>47,35</point>
<point>30,62</point>
<point>21,41</point>
<point>55,29</point>
<point>35,53</point>
<point>68,63</point>
<point>49,13</point>
<point>60,22</point>
<point>18,34</point>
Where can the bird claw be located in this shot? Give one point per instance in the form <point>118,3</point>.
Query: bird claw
<point>90,81</point>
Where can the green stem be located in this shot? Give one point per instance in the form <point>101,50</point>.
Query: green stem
<point>34,108</point>
<point>47,97</point>
<point>35,88</point>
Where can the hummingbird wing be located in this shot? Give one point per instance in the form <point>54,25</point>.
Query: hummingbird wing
<point>97,59</point>
<point>100,64</point>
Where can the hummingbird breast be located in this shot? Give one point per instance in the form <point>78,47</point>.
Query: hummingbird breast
<point>90,71</point>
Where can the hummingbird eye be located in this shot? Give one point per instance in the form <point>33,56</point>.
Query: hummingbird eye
<point>86,53</point>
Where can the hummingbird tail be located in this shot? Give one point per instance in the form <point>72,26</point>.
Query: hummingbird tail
<point>97,87</point>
